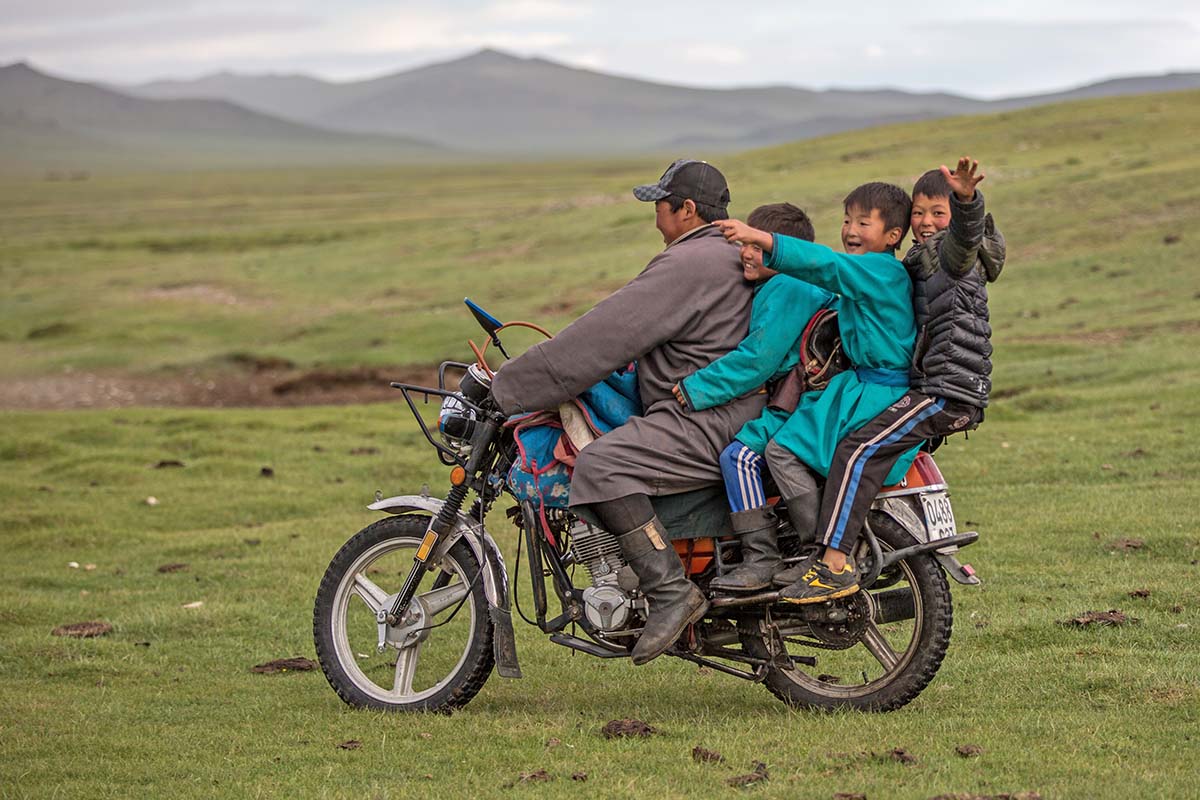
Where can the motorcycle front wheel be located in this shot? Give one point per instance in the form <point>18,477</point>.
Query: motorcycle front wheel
<point>435,659</point>
<point>879,664</point>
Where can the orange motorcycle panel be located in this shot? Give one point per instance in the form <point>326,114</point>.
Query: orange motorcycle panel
<point>696,554</point>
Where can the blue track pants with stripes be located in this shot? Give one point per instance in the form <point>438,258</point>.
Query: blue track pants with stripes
<point>862,460</point>
<point>742,469</point>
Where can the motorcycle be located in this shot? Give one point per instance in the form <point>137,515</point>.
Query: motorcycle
<point>414,612</point>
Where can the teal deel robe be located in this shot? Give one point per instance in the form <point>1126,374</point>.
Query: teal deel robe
<point>782,307</point>
<point>875,314</point>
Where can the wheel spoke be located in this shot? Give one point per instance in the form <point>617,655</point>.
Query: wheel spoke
<point>406,667</point>
<point>438,600</point>
<point>370,592</point>
<point>879,647</point>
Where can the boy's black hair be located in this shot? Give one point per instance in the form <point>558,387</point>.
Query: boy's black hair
<point>932,184</point>
<point>705,212</point>
<point>892,203</point>
<point>783,218</point>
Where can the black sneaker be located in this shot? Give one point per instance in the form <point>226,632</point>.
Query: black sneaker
<point>796,571</point>
<point>820,584</point>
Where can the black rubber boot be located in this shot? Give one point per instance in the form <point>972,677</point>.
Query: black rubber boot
<point>755,529</point>
<point>675,602</point>
<point>802,511</point>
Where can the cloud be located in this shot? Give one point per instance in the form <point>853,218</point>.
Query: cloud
<point>1019,46</point>
<point>536,11</point>
<point>125,34</point>
<point>721,54</point>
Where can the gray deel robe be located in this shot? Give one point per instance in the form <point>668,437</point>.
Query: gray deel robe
<point>689,306</point>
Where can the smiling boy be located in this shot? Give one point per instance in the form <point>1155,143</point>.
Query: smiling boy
<point>875,314</point>
<point>782,308</point>
<point>956,254</point>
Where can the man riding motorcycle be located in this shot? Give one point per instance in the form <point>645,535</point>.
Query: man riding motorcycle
<point>689,306</point>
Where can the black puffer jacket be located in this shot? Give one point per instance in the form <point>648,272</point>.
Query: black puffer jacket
<point>950,272</point>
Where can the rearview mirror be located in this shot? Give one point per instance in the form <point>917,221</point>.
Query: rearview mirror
<point>485,320</point>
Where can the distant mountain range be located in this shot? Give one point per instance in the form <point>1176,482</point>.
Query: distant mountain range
<point>49,122</point>
<point>486,104</point>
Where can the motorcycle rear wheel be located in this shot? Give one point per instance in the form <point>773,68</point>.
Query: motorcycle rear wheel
<point>440,660</point>
<point>901,657</point>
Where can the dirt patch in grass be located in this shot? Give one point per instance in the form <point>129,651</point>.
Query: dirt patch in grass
<point>296,664</point>
<point>1111,618</point>
<point>536,776</point>
<point>898,754</point>
<point>83,630</point>
<point>175,567</point>
<point>627,728</point>
<point>702,755</point>
<point>250,387</point>
<point>1001,796</point>
<point>206,293</point>
<point>758,775</point>
<point>1110,336</point>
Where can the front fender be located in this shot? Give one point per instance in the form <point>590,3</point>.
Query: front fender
<point>487,552</point>
<point>495,575</point>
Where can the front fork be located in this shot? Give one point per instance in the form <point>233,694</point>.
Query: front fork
<point>441,525</point>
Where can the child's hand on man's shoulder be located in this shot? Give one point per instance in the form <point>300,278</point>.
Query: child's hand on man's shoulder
<point>737,231</point>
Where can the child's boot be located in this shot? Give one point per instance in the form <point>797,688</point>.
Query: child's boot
<point>802,511</point>
<point>755,529</point>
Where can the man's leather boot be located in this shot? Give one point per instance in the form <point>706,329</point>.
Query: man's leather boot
<point>755,529</point>
<point>802,511</point>
<point>675,602</point>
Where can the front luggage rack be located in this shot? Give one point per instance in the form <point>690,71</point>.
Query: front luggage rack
<point>447,456</point>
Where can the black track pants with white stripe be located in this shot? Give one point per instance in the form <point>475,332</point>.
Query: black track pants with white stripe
<point>864,458</point>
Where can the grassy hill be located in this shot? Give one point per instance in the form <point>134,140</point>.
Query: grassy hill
<point>1081,481</point>
<point>367,266</point>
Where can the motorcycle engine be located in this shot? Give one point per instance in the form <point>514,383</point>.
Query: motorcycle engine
<point>606,602</point>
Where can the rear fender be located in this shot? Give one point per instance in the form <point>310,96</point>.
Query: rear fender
<point>901,510</point>
<point>904,515</point>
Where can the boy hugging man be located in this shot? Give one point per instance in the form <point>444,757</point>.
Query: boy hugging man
<point>781,308</point>
<point>875,315</point>
<point>957,252</point>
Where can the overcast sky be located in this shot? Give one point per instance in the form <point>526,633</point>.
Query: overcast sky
<point>984,49</point>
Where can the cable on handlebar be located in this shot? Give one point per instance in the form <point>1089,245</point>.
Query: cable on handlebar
<point>480,352</point>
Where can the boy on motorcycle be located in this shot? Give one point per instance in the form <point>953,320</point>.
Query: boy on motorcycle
<point>956,253</point>
<point>782,308</point>
<point>875,314</point>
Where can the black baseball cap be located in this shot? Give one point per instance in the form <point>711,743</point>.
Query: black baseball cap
<point>698,181</point>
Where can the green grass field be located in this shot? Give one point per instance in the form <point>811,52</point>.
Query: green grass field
<point>1089,441</point>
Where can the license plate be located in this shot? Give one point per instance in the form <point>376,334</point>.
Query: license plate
<point>939,517</point>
